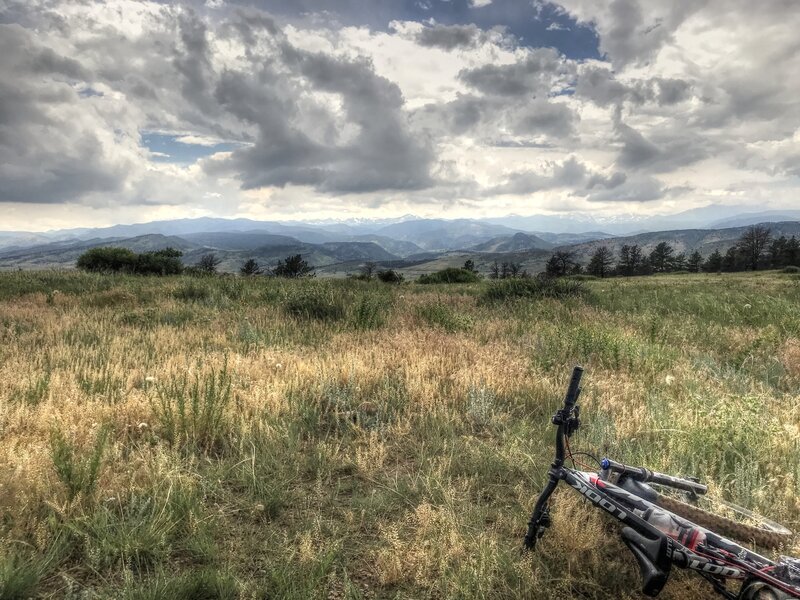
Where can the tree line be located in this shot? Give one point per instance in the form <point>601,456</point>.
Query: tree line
<point>756,249</point>
<point>109,259</point>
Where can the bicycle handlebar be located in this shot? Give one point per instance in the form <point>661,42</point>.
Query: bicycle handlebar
<point>574,388</point>
<point>647,476</point>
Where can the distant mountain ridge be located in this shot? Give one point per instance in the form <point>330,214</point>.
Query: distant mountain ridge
<point>514,243</point>
<point>339,248</point>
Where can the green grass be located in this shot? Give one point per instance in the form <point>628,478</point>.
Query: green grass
<point>222,437</point>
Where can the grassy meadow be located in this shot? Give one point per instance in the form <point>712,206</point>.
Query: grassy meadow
<point>259,438</point>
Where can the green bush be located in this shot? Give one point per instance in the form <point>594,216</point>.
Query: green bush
<point>107,260</point>
<point>540,287</point>
<point>317,302</point>
<point>390,276</point>
<point>450,275</point>
<point>790,269</point>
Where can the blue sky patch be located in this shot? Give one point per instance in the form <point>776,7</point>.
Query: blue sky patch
<point>535,26</point>
<point>167,148</point>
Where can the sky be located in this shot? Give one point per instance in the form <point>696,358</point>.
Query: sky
<point>128,111</point>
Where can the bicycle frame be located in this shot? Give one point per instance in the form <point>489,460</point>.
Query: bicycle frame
<point>688,546</point>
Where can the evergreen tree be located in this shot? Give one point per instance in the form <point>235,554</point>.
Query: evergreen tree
<point>631,260</point>
<point>694,263</point>
<point>713,263</point>
<point>250,268</point>
<point>600,263</point>
<point>732,261</point>
<point>662,258</point>
<point>792,252</point>
<point>293,267</point>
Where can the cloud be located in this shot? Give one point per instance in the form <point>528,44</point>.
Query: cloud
<point>379,154</point>
<point>535,74</point>
<point>569,173</point>
<point>52,145</point>
<point>450,37</point>
<point>381,104</point>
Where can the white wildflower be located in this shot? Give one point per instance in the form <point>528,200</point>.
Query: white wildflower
<point>669,379</point>
<point>150,379</point>
<point>747,307</point>
<point>142,426</point>
<point>278,366</point>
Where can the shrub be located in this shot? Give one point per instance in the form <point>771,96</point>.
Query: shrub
<point>107,260</point>
<point>450,275</point>
<point>390,276</point>
<point>160,262</point>
<point>790,269</point>
<point>121,260</point>
<point>319,303</point>
<point>540,287</point>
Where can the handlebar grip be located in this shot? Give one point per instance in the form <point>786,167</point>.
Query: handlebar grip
<point>574,387</point>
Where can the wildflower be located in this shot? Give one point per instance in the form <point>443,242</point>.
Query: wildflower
<point>669,379</point>
<point>278,366</point>
<point>142,426</point>
<point>259,507</point>
<point>747,307</point>
<point>150,379</point>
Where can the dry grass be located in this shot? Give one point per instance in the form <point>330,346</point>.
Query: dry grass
<point>389,450</point>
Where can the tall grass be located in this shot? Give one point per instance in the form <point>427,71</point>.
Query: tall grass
<point>252,438</point>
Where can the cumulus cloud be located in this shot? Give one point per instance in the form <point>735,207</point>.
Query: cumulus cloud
<point>570,173</point>
<point>53,147</point>
<point>537,73</point>
<point>450,37</point>
<point>398,109</point>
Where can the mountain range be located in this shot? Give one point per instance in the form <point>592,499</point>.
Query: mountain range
<point>412,244</point>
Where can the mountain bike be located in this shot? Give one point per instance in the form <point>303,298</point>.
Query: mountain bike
<point>661,531</point>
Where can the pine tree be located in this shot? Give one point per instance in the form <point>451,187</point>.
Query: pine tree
<point>662,258</point>
<point>713,263</point>
<point>601,262</point>
<point>694,262</point>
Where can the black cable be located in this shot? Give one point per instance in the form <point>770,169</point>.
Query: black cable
<point>592,456</point>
